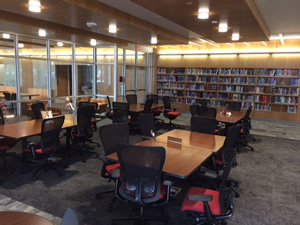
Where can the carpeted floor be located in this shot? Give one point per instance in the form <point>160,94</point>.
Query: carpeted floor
<point>269,188</point>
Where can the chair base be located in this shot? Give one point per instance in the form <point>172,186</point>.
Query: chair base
<point>170,126</point>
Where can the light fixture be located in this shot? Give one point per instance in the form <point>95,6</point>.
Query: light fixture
<point>60,44</point>
<point>21,45</point>
<point>34,6</point>
<point>246,43</point>
<point>190,42</point>
<point>93,42</point>
<point>281,38</point>
<point>6,36</point>
<point>223,27</point>
<point>91,24</point>
<point>235,37</point>
<point>154,40</point>
<point>264,43</point>
<point>203,13</point>
<point>112,28</point>
<point>42,33</point>
<point>230,44</point>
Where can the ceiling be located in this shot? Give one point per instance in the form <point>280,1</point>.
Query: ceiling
<point>173,22</point>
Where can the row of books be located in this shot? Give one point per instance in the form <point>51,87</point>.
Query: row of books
<point>278,72</point>
<point>285,91</point>
<point>170,78</point>
<point>199,87</point>
<point>263,107</point>
<point>163,70</point>
<point>170,85</point>
<point>285,100</point>
<point>193,94</point>
<point>238,80</point>
<point>237,71</point>
<point>292,109</point>
<point>231,88</point>
<point>262,98</point>
<point>202,71</point>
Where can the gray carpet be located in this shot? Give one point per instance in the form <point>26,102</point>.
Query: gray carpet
<point>269,189</point>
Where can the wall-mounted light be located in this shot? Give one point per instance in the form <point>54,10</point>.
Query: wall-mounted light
<point>34,6</point>
<point>223,27</point>
<point>42,33</point>
<point>154,40</point>
<point>6,36</point>
<point>203,13</point>
<point>235,37</point>
<point>60,44</point>
<point>21,45</point>
<point>93,42</point>
<point>112,28</point>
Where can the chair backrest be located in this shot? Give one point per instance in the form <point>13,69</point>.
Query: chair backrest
<point>50,132</point>
<point>235,106</point>
<point>230,155</point>
<point>246,121</point>
<point>194,110</point>
<point>207,111</point>
<point>83,103</point>
<point>202,124</point>
<point>113,134</point>
<point>121,112</point>
<point>36,110</point>
<point>70,218</point>
<point>148,105</point>
<point>154,97</point>
<point>84,117</point>
<point>232,136</point>
<point>146,124</point>
<point>202,102</point>
<point>108,102</point>
<point>13,96</point>
<point>2,121</point>
<point>131,99</point>
<point>141,169</point>
<point>167,102</point>
<point>7,96</point>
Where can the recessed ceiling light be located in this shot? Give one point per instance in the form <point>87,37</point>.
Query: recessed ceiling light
<point>203,13</point>
<point>112,28</point>
<point>34,6</point>
<point>6,36</point>
<point>235,37</point>
<point>42,33</point>
<point>214,22</point>
<point>223,27</point>
<point>93,42</point>
<point>21,45</point>
<point>60,44</point>
<point>154,40</point>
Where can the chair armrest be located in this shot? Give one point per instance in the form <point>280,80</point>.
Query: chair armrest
<point>115,174</point>
<point>198,197</point>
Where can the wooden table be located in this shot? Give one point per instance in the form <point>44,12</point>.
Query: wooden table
<point>234,116</point>
<point>182,160</point>
<point>138,108</point>
<point>200,141</point>
<point>22,218</point>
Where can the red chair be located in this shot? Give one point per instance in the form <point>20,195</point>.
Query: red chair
<point>169,113</point>
<point>209,206</point>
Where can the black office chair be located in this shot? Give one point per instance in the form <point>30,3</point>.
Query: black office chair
<point>131,99</point>
<point>111,135</point>
<point>170,113</point>
<point>207,111</point>
<point>148,105</point>
<point>203,102</point>
<point>156,112</point>
<point>44,152</point>
<point>245,131</point>
<point>147,125</point>
<point>202,124</point>
<point>36,109</point>
<point>235,106</point>
<point>140,180</point>
<point>207,206</point>
<point>121,112</point>
<point>109,109</point>
<point>95,105</point>
<point>194,110</point>
<point>83,131</point>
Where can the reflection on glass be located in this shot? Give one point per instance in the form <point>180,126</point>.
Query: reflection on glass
<point>84,54</point>
<point>7,72</point>
<point>60,51</point>
<point>33,48</point>
<point>61,78</point>
<point>85,79</point>
<point>7,44</point>
<point>105,79</point>
<point>105,55</point>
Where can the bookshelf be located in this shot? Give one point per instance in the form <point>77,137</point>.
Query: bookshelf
<point>268,89</point>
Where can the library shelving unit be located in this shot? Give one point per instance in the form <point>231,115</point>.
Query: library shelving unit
<point>269,90</point>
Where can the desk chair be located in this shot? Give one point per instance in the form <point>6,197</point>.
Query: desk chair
<point>131,99</point>
<point>139,180</point>
<point>156,112</point>
<point>109,109</point>
<point>207,206</point>
<point>207,111</point>
<point>111,135</point>
<point>148,105</point>
<point>235,106</point>
<point>203,102</point>
<point>36,110</point>
<point>202,124</point>
<point>147,126</point>
<point>170,113</point>
<point>121,112</point>
<point>245,131</point>
<point>70,218</point>
<point>44,152</point>
<point>83,131</point>
<point>194,110</point>
<point>95,105</point>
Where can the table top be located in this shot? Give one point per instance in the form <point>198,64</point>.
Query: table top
<point>180,161</point>
<point>22,218</point>
<point>200,141</point>
<point>30,128</point>
<point>234,116</point>
<point>138,108</point>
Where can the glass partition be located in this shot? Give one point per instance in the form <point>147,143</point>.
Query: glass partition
<point>60,51</point>
<point>32,47</point>
<point>7,44</point>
